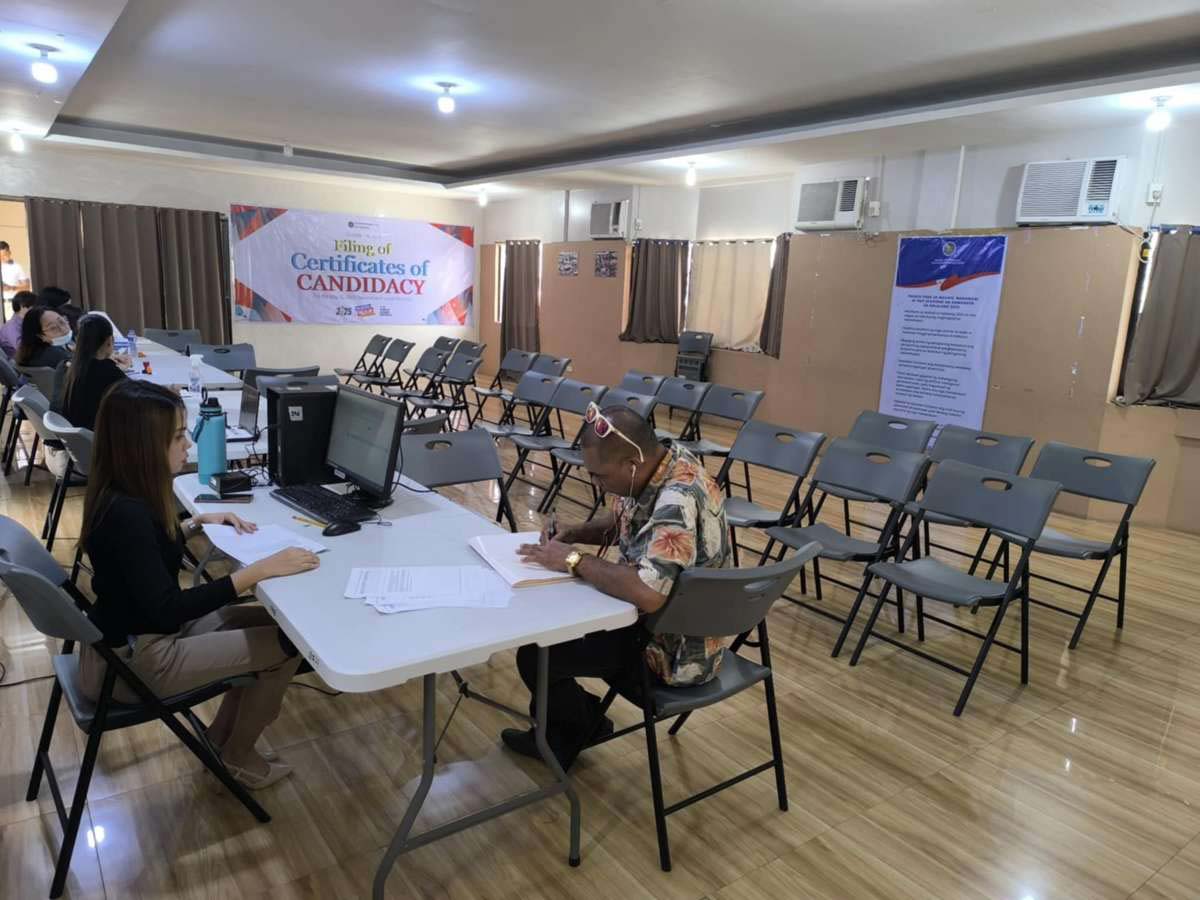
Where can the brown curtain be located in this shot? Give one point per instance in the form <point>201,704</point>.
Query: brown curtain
<point>1164,361</point>
<point>54,245</point>
<point>771,337</point>
<point>121,266</point>
<point>193,286</point>
<point>657,287</point>
<point>519,325</point>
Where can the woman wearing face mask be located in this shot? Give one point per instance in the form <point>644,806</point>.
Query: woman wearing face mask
<point>45,337</point>
<point>176,639</point>
<point>94,369</point>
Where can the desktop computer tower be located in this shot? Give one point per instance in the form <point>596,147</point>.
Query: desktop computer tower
<point>299,417</point>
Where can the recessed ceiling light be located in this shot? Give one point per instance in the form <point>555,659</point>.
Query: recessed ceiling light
<point>43,70</point>
<point>690,178</point>
<point>16,143</point>
<point>1161,117</point>
<point>445,103</point>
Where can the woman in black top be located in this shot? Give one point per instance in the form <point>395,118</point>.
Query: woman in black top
<point>175,639</point>
<point>45,336</point>
<point>94,369</point>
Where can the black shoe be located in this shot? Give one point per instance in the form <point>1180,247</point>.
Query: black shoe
<point>603,730</point>
<point>522,742</point>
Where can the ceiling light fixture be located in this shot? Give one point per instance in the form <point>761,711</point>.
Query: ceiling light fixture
<point>690,178</point>
<point>445,103</point>
<point>16,143</point>
<point>43,70</point>
<point>1161,117</point>
<point>483,198</point>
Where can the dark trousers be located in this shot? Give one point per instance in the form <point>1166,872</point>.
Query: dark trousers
<point>572,714</point>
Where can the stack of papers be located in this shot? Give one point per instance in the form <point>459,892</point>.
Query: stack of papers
<point>401,589</point>
<point>499,550</point>
<point>250,548</point>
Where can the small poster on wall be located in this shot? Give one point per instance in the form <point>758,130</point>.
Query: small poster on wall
<point>606,263</point>
<point>568,263</point>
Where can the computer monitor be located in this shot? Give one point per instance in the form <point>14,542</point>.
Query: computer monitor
<point>248,417</point>
<point>364,441</point>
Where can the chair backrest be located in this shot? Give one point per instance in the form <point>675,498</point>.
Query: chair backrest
<point>730,403</point>
<point>42,376</point>
<point>536,388</point>
<point>517,362</point>
<point>1093,474</point>
<point>456,457</point>
<point>890,475</point>
<point>397,351</point>
<point>172,339</point>
<point>698,343</point>
<point>546,364</point>
<point>682,393</point>
<point>20,547</point>
<point>48,607</point>
<point>78,441</point>
<point>431,361</point>
<point>445,343</point>
<point>9,376</point>
<point>721,602</point>
<point>251,376</point>
<point>998,500</point>
<point>895,432</point>
<point>641,382</point>
<point>469,348</point>
<point>427,425</point>
<point>226,357</point>
<point>461,367</point>
<point>34,406</point>
<point>641,404</point>
<point>777,447</point>
<point>574,396</point>
<point>986,449</point>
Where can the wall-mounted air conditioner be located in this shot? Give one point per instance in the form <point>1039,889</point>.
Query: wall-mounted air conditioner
<point>825,205</point>
<point>609,220</point>
<point>1067,191</point>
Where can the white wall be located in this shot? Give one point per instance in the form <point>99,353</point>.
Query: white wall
<point>79,173</point>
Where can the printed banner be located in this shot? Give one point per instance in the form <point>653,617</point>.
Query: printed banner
<point>299,265</point>
<point>939,343</point>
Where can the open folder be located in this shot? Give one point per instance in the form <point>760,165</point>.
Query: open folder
<point>500,552</point>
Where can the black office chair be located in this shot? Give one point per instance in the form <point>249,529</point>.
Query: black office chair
<point>456,457</point>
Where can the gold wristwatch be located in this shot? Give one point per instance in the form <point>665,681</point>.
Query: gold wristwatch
<point>573,560</point>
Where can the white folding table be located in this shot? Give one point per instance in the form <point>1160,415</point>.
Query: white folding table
<point>354,648</point>
<point>175,369</point>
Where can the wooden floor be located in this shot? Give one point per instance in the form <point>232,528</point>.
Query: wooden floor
<point>1086,783</point>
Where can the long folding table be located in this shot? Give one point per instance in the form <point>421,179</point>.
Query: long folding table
<point>354,648</point>
<point>169,367</point>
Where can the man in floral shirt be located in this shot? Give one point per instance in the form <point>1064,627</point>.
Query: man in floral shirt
<point>669,515</point>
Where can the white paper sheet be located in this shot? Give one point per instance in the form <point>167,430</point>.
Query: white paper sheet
<point>250,548</point>
<point>400,589</point>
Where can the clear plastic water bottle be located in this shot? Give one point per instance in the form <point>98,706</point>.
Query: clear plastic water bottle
<point>131,340</point>
<point>194,376</point>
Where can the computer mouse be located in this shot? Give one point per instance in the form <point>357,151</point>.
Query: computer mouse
<point>333,529</point>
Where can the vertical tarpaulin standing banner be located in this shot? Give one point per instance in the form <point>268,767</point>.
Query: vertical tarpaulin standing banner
<point>298,265</point>
<point>943,321</point>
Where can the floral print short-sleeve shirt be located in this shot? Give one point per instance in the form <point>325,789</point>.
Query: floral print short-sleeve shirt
<point>677,522</point>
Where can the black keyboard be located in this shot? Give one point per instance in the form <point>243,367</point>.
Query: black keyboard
<point>322,504</point>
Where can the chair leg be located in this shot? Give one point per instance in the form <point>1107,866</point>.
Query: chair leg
<point>10,444</point>
<point>57,505</point>
<point>43,748</point>
<point>1025,628</point>
<point>979,552</point>
<point>31,461</point>
<point>870,626</point>
<point>928,544</point>
<point>764,647</point>
<point>983,652</point>
<point>733,543</point>
<point>853,614</point>
<point>50,508</point>
<point>1122,565</point>
<point>656,790</point>
<point>678,723</point>
<point>1091,601</point>
<point>846,514</point>
<point>920,618</point>
<point>75,816</point>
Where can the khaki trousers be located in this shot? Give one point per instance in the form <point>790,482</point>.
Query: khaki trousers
<point>233,640</point>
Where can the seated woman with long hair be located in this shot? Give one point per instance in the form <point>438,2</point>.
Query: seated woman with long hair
<point>176,639</point>
<point>94,369</point>
<point>45,336</point>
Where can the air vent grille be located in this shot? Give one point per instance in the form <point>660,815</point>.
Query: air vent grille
<point>849,196</point>
<point>1052,189</point>
<point>1101,183</point>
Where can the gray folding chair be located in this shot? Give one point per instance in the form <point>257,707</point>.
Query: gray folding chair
<point>456,377</point>
<point>547,364</point>
<point>40,588</point>
<point>446,344</point>
<point>456,457</point>
<point>427,425</point>
<point>43,377</point>
<point>368,360</point>
<point>642,382</point>
<point>395,355</point>
<point>174,339</point>
<point>429,366</point>
<point>469,348</point>
<point>880,430</point>
<point>532,393</point>
<point>721,402</point>
<point>879,474</point>
<point>515,364</point>
<point>10,380</point>
<point>709,603</point>
<point>78,444</point>
<point>34,406</point>
<point>570,458</point>
<point>571,396</point>
<point>1098,476</point>
<point>226,357</point>
<point>687,395</point>
<point>691,357</point>
<point>1001,501</point>
<point>767,446</point>
<point>251,376</point>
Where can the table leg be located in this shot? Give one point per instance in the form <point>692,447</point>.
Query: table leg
<point>548,757</point>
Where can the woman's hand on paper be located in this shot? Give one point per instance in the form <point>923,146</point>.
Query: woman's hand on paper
<point>240,525</point>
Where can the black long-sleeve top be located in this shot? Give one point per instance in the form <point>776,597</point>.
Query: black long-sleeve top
<point>136,578</point>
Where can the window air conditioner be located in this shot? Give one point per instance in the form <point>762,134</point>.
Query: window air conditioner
<point>609,219</point>
<point>1070,191</point>
<point>825,205</point>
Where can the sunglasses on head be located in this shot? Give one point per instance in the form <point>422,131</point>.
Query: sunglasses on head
<point>603,426</point>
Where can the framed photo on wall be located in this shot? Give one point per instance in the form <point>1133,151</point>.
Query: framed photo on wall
<point>568,263</point>
<point>606,263</point>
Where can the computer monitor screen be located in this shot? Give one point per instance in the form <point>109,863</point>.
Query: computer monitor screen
<point>364,439</point>
<point>248,418</point>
